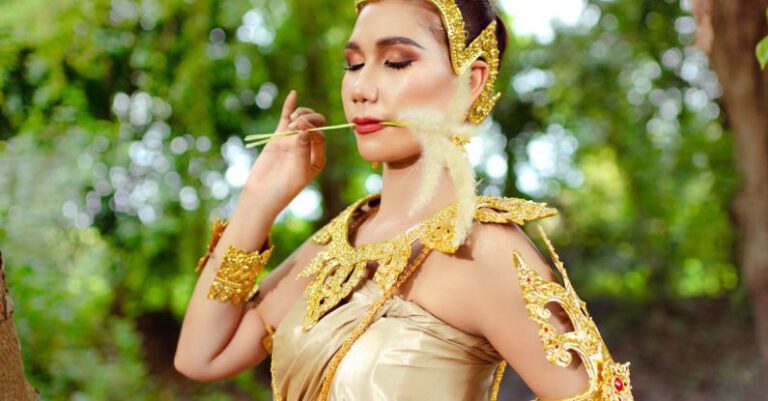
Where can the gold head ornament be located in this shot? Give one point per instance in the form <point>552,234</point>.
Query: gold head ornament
<point>484,46</point>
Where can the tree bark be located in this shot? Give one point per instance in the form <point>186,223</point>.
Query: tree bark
<point>13,383</point>
<point>729,31</point>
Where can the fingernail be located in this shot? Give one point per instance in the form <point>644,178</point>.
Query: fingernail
<point>292,125</point>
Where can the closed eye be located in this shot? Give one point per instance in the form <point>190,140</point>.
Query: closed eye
<point>353,67</point>
<point>398,65</point>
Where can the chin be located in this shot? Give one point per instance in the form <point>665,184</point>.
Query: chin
<point>372,150</point>
<point>386,146</point>
<point>386,154</point>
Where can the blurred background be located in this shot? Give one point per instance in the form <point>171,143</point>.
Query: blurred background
<point>645,122</point>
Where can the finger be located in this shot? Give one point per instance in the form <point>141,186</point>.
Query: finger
<point>303,149</point>
<point>316,119</point>
<point>299,111</point>
<point>317,157</point>
<point>308,121</point>
<point>305,122</point>
<point>304,138</point>
<point>288,105</point>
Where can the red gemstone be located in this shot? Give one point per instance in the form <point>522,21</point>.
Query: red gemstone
<point>618,384</point>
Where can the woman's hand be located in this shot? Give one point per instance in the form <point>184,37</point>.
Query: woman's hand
<point>287,164</point>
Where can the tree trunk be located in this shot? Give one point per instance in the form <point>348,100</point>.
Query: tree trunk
<point>13,383</point>
<point>729,31</point>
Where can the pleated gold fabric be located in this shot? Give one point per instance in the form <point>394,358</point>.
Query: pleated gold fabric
<point>406,354</point>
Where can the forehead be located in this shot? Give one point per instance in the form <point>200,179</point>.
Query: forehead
<point>413,18</point>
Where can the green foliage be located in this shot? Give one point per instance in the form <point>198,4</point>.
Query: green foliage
<point>649,185</point>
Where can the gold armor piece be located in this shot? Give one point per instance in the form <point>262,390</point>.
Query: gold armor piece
<point>608,380</point>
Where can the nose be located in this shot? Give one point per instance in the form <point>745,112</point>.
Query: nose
<point>364,87</point>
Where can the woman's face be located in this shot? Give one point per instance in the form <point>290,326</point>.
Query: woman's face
<point>397,58</point>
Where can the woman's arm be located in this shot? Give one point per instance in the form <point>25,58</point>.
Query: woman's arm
<point>220,340</point>
<point>514,283</point>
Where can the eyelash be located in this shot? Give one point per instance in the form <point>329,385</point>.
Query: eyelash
<point>398,65</point>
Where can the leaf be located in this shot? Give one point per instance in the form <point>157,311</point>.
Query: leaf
<point>762,52</point>
<point>762,48</point>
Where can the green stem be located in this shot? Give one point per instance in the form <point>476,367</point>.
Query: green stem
<point>260,139</point>
<point>330,127</point>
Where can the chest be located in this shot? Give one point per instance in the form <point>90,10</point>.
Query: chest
<point>443,286</point>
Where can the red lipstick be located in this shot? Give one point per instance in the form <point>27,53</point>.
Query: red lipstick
<point>367,125</point>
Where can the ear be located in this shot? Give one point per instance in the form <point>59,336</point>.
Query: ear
<point>479,71</point>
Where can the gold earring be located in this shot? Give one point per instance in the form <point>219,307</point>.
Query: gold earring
<point>375,165</point>
<point>460,140</point>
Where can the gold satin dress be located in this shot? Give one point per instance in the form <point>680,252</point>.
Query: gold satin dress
<point>351,337</point>
<point>405,354</point>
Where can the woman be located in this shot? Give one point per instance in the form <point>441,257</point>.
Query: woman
<point>364,309</point>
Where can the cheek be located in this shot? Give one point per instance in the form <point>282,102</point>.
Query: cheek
<point>424,86</point>
<point>346,97</point>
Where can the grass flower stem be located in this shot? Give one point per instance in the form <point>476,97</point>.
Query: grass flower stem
<point>260,139</point>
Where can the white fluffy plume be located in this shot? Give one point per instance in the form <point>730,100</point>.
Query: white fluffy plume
<point>433,129</point>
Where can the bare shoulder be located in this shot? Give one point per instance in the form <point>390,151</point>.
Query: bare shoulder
<point>481,275</point>
<point>492,248</point>
<point>498,235</point>
<point>454,286</point>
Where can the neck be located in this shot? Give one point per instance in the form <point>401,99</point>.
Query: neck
<point>401,182</point>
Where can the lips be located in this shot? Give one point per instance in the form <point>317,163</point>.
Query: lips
<point>367,125</point>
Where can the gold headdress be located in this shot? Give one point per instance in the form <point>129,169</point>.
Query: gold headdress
<point>484,45</point>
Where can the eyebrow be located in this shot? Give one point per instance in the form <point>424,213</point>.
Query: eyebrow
<point>388,41</point>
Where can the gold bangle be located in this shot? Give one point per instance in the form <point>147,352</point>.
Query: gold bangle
<point>236,278</point>
<point>266,342</point>
<point>218,229</point>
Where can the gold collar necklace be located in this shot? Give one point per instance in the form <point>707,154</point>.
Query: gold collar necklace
<point>339,267</point>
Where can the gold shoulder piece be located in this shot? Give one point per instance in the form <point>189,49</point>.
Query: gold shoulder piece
<point>608,380</point>
<point>488,209</point>
<point>507,209</point>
